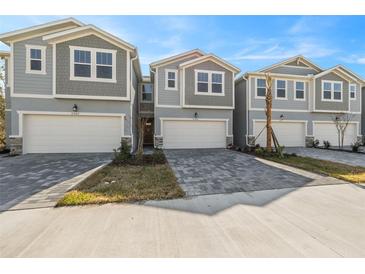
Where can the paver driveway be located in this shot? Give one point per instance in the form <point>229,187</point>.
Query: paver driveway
<point>354,159</point>
<point>212,171</point>
<point>25,175</point>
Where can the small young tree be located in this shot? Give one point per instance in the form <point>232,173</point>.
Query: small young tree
<point>341,122</point>
<point>141,127</point>
<point>268,100</point>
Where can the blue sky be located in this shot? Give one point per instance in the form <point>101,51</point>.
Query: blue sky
<point>249,42</point>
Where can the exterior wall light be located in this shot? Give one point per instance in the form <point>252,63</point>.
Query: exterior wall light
<point>281,117</point>
<point>75,108</point>
<point>196,115</point>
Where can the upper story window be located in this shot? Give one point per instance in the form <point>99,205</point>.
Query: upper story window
<point>353,91</point>
<point>209,82</point>
<point>171,79</point>
<point>36,59</point>
<point>260,88</point>
<point>92,64</point>
<point>147,90</point>
<point>332,91</point>
<point>281,90</point>
<point>299,91</point>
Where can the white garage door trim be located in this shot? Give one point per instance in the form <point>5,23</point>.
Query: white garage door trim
<point>162,120</point>
<point>357,124</point>
<point>305,122</point>
<point>54,113</point>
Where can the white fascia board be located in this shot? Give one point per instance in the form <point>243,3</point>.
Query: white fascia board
<point>213,58</point>
<point>175,57</point>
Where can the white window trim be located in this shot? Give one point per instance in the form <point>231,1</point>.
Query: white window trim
<point>276,90</point>
<point>352,99</point>
<point>332,91</point>
<point>93,65</point>
<point>146,101</point>
<point>256,89</point>
<point>28,59</point>
<point>167,80</point>
<point>210,72</point>
<point>295,91</point>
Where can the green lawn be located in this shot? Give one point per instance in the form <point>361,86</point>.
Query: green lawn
<point>341,171</point>
<point>125,183</point>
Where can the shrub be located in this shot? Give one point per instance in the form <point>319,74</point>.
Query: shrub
<point>158,157</point>
<point>280,151</point>
<point>326,144</point>
<point>122,154</point>
<point>355,146</point>
<point>315,143</point>
<point>260,151</point>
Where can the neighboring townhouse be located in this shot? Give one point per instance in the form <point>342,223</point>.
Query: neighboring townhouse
<point>70,87</point>
<point>193,101</point>
<point>306,98</point>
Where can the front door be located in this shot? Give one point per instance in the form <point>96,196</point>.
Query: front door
<point>148,132</point>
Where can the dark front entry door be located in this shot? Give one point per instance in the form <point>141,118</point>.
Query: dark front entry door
<point>148,133</point>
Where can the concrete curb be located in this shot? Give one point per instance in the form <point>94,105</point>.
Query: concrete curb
<point>50,196</point>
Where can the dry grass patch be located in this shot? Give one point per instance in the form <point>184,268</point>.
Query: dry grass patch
<point>125,183</point>
<point>345,172</point>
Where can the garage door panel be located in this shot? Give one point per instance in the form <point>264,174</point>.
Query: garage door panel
<point>67,134</point>
<point>289,134</point>
<point>194,134</point>
<point>328,132</point>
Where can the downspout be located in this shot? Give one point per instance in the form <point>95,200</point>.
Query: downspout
<point>154,106</point>
<point>132,102</point>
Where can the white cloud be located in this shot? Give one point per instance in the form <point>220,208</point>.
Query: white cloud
<point>281,48</point>
<point>171,42</point>
<point>312,24</point>
<point>177,23</point>
<point>353,59</point>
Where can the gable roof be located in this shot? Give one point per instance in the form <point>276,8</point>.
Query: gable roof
<point>210,57</point>
<point>178,56</point>
<point>286,61</point>
<point>345,71</point>
<point>88,30</point>
<point>43,28</point>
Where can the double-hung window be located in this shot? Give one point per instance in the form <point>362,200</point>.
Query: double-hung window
<point>281,90</point>
<point>299,91</point>
<point>331,91</point>
<point>36,59</point>
<point>92,64</point>
<point>353,91</point>
<point>171,79</point>
<point>147,92</point>
<point>260,88</point>
<point>209,82</point>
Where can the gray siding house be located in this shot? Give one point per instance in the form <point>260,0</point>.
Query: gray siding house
<point>306,99</point>
<point>193,101</point>
<point>70,87</point>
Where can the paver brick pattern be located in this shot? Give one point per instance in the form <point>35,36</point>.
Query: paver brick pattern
<point>213,171</point>
<point>24,175</point>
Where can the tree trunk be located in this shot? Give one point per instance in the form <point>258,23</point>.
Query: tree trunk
<point>268,100</point>
<point>141,127</point>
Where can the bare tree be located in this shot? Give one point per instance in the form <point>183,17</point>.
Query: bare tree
<point>268,100</point>
<point>141,127</point>
<point>341,122</point>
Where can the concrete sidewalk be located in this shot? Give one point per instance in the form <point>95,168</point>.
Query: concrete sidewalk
<point>318,221</point>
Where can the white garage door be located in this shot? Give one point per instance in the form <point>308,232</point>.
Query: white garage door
<point>67,134</point>
<point>328,132</point>
<point>289,134</point>
<point>194,134</point>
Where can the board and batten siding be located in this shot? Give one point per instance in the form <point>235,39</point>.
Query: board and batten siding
<point>28,83</point>
<point>65,86</point>
<point>208,100</point>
